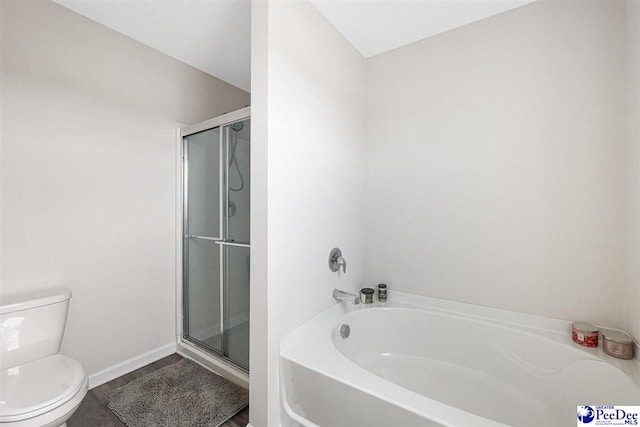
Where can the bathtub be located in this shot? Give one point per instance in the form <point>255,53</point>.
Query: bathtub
<point>419,361</point>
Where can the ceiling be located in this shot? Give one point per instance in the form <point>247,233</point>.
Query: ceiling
<point>214,35</point>
<point>375,26</point>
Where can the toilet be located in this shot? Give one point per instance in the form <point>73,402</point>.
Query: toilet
<point>38,386</point>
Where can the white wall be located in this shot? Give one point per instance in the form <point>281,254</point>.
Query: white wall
<point>261,376</point>
<point>311,88</point>
<point>632,297</point>
<point>88,174</point>
<point>496,163</point>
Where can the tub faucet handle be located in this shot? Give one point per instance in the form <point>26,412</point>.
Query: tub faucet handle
<point>336,260</point>
<point>343,263</point>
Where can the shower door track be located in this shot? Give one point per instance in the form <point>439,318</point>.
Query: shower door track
<point>217,353</point>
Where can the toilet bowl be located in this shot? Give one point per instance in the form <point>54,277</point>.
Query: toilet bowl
<point>39,387</point>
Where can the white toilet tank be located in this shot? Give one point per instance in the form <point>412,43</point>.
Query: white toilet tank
<point>32,325</point>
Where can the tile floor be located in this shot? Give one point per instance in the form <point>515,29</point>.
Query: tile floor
<point>94,413</point>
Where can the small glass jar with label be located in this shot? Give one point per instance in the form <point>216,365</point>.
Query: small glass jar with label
<point>382,292</point>
<point>366,295</point>
<point>585,334</point>
<point>617,344</point>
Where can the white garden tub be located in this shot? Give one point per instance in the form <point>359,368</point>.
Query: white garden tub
<point>421,361</point>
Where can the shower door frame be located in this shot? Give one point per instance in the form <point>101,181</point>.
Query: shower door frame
<point>189,346</point>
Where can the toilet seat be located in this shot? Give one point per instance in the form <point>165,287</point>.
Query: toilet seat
<point>38,387</point>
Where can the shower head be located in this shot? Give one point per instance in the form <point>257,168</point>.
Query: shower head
<point>237,127</point>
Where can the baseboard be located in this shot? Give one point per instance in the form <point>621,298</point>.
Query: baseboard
<point>130,365</point>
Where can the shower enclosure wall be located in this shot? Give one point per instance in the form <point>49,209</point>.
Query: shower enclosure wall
<point>216,236</point>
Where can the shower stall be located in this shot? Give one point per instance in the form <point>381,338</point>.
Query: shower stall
<point>216,236</point>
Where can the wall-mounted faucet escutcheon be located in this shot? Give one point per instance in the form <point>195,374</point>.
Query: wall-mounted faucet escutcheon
<point>336,260</point>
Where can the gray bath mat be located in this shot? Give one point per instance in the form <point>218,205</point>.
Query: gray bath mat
<point>183,394</point>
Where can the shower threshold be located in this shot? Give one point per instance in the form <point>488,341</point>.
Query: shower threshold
<point>218,364</point>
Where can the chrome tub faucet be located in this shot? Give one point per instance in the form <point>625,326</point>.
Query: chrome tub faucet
<point>346,296</point>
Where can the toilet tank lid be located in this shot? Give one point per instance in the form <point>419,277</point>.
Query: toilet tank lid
<point>25,301</point>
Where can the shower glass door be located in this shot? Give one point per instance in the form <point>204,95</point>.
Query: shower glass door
<point>216,240</point>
